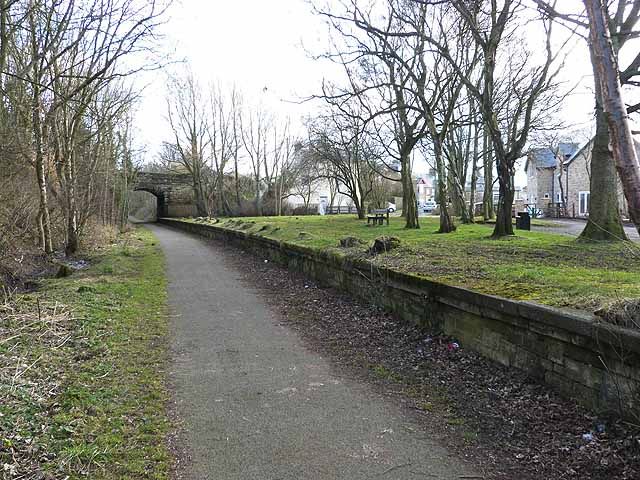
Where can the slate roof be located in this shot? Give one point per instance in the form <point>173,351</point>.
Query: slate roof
<point>544,157</point>
<point>568,149</point>
<point>425,180</point>
<point>578,152</point>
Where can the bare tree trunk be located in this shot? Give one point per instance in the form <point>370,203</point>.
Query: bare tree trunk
<point>359,209</point>
<point>409,206</point>
<point>124,206</point>
<point>460,202</point>
<point>38,140</point>
<point>281,195</point>
<point>44,204</point>
<point>563,195</point>
<point>236,179</point>
<point>605,63</point>
<point>487,160</point>
<point>604,221</point>
<point>446,223</point>
<point>71,207</point>
<point>332,192</point>
<point>4,39</point>
<point>41,173</point>
<point>258,199</point>
<point>504,223</point>
<point>474,178</point>
<point>41,236</point>
<point>456,192</point>
<point>201,204</point>
<point>196,172</point>
<point>105,197</point>
<point>458,153</point>
<point>112,205</point>
<point>222,201</point>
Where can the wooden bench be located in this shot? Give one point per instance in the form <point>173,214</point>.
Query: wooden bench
<point>378,216</point>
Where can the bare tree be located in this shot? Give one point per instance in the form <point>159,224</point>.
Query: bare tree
<point>188,121</point>
<point>279,157</point>
<point>515,93</point>
<point>304,176</point>
<point>458,151</point>
<point>606,73</point>
<point>255,125</point>
<point>378,62</point>
<point>476,127</point>
<point>46,23</point>
<point>443,106</point>
<point>339,141</point>
<point>220,130</point>
<point>399,82</point>
<point>285,153</point>
<point>605,222</point>
<point>62,56</point>
<point>236,140</point>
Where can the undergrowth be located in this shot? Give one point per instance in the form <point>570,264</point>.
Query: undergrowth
<point>82,391</point>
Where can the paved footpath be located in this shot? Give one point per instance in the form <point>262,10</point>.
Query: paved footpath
<point>574,228</point>
<point>257,404</point>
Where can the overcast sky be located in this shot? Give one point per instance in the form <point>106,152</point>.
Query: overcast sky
<point>256,44</point>
<point>250,43</point>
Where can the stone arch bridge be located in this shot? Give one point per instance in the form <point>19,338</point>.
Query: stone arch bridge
<point>173,191</point>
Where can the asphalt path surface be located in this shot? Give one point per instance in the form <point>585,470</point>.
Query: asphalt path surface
<point>258,404</point>
<point>574,228</point>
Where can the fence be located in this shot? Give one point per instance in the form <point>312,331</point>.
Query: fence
<point>338,209</point>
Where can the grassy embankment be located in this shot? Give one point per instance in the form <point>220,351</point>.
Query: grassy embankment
<point>82,391</point>
<point>546,268</point>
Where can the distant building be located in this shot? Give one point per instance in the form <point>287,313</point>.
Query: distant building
<point>518,195</point>
<point>425,189</point>
<point>576,180</point>
<point>318,192</point>
<point>563,192</point>
<point>541,169</point>
<point>480,185</point>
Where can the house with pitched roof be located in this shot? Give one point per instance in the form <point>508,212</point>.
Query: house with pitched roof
<point>542,167</point>
<point>576,179</point>
<point>425,189</point>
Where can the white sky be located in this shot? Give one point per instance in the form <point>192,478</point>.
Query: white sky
<point>250,43</point>
<point>258,43</point>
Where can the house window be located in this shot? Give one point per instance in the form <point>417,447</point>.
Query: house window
<point>558,199</point>
<point>546,196</point>
<point>583,207</point>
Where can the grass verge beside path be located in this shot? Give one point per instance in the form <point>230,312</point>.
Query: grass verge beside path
<point>82,391</point>
<point>543,267</point>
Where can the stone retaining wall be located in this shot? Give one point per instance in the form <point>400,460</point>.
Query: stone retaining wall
<point>595,363</point>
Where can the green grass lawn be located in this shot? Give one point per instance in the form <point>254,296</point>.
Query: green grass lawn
<point>93,405</point>
<point>542,267</point>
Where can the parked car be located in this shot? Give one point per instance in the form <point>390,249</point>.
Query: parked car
<point>391,207</point>
<point>429,206</point>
